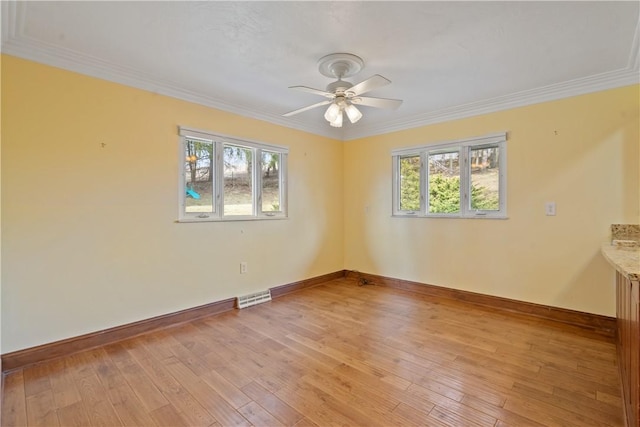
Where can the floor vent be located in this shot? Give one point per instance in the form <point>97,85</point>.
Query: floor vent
<point>253,299</point>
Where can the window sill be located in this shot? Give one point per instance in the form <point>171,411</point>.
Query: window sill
<point>450,216</point>
<point>232,219</point>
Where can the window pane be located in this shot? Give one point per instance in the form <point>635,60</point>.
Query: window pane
<point>485,178</point>
<point>444,182</point>
<point>198,176</point>
<point>238,182</point>
<point>410,183</point>
<point>270,182</point>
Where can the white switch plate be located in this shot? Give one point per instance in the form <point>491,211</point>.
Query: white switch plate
<point>550,208</point>
<point>243,267</point>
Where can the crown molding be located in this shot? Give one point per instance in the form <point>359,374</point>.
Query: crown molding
<point>581,86</point>
<point>15,43</point>
<point>553,92</point>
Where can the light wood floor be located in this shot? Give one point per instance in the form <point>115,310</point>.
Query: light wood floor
<point>336,354</point>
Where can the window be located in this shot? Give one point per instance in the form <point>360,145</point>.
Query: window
<point>409,183</point>
<point>458,179</point>
<point>224,178</point>
<point>238,180</point>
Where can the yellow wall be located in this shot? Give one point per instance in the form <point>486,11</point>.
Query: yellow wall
<point>1,383</point>
<point>88,233</point>
<point>89,239</point>
<point>589,168</point>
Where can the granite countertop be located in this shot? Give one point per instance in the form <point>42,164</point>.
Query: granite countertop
<point>625,259</point>
<point>623,252</point>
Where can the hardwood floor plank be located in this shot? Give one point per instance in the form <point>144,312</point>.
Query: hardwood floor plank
<point>226,389</point>
<point>548,414</point>
<point>189,337</point>
<point>417,417</point>
<point>351,392</point>
<point>333,355</point>
<point>440,388</point>
<point>454,418</point>
<point>420,347</point>
<point>177,392</point>
<point>95,398</point>
<point>14,408</point>
<point>312,406</point>
<point>345,356</point>
<point>136,378</point>
<point>106,370</point>
<point>396,381</point>
<point>41,409</point>
<point>235,374</point>
<point>215,404</point>
<point>609,399</point>
<point>312,356</point>
<point>156,343</point>
<point>358,399</point>
<point>387,366</point>
<point>305,422</point>
<point>168,416</point>
<point>64,389</point>
<point>128,406</point>
<point>73,415</point>
<point>36,379</point>
<point>598,375</point>
<point>498,412</point>
<point>103,414</point>
<point>449,409</point>
<point>190,356</point>
<point>258,416</point>
<point>571,381</point>
<point>324,403</point>
<point>80,364</point>
<point>467,383</point>
<point>384,389</point>
<point>575,408</point>
<point>276,407</point>
<point>572,399</point>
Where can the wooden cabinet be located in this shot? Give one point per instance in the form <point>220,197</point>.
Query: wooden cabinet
<point>628,343</point>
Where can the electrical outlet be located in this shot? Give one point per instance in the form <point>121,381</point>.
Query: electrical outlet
<point>550,208</point>
<point>243,267</point>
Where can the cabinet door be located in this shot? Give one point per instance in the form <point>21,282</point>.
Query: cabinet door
<point>623,306</point>
<point>628,320</point>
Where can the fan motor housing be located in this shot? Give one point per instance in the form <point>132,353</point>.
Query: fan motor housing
<point>339,86</point>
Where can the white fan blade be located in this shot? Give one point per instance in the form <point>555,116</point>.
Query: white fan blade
<point>376,102</point>
<point>314,91</point>
<point>300,110</point>
<point>369,84</point>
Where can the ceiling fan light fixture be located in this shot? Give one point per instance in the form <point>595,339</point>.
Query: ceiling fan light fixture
<point>343,96</point>
<point>332,112</point>
<point>337,123</point>
<point>353,113</point>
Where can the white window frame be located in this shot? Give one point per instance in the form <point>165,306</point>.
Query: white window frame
<point>219,141</point>
<point>463,147</point>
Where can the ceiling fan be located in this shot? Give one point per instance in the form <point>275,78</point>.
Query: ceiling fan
<point>342,95</point>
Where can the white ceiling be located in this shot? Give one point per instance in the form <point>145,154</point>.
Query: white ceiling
<point>445,59</point>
